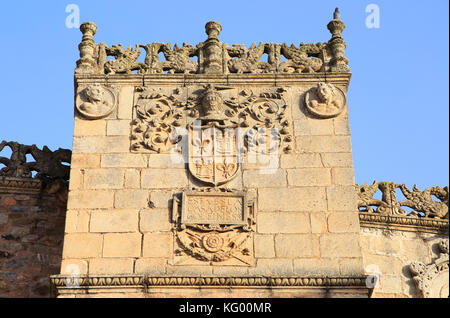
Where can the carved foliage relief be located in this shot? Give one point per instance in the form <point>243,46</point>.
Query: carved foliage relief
<point>240,119</point>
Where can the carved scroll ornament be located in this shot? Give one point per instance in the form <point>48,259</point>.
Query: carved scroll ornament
<point>260,120</point>
<point>432,280</point>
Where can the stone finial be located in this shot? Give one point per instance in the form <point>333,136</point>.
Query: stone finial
<point>337,44</point>
<point>87,63</point>
<point>337,14</point>
<point>213,30</point>
<point>336,26</point>
<point>211,51</point>
<point>89,29</point>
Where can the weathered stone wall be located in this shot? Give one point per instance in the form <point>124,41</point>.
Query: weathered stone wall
<point>388,254</point>
<point>32,229</point>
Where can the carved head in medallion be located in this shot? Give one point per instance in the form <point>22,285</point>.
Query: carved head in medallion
<point>95,93</point>
<point>325,92</point>
<point>96,101</point>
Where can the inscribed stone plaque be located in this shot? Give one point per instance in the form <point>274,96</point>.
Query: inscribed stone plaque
<point>214,208</point>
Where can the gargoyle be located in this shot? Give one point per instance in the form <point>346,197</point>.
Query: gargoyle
<point>365,196</point>
<point>177,60</point>
<point>301,59</point>
<point>248,60</point>
<point>422,201</point>
<point>125,61</point>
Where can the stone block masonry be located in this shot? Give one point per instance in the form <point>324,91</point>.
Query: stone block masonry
<point>31,236</point>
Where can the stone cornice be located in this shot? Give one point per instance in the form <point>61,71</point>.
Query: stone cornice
<point>304,79</point>
<point>20,185</point>
<point>121,281</point>
<point>404,223</point>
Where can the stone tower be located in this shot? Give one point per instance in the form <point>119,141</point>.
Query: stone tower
<point>217,176</point>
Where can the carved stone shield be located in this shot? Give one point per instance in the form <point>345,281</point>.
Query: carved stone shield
<point>212,154</point>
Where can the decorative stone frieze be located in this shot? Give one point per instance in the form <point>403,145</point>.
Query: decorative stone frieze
<point>65,281</point>
<point>404,223</point>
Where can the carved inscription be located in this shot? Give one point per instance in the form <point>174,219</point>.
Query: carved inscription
<point>214,209</point>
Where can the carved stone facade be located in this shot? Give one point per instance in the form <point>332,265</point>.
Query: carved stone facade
<point>214,173</point>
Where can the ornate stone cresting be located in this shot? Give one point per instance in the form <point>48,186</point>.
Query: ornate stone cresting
<point>432,280</point>
<point>96,101</point>
<point>421,202</point>
<point>214,57</point>
<point>48,164</point>
<point>325,100</point>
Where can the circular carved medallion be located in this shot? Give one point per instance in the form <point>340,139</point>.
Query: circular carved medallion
<point>96,101</point>
<point>212,242</point>
<point>325,100</point>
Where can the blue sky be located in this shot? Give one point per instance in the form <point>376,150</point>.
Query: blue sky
<point>398,96</point>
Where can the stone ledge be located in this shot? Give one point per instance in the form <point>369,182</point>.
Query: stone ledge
<point>404,223</point>
<point>20,185</point>
<point>65,281</point>
<point>177,286</point>
<point>275,79</point>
